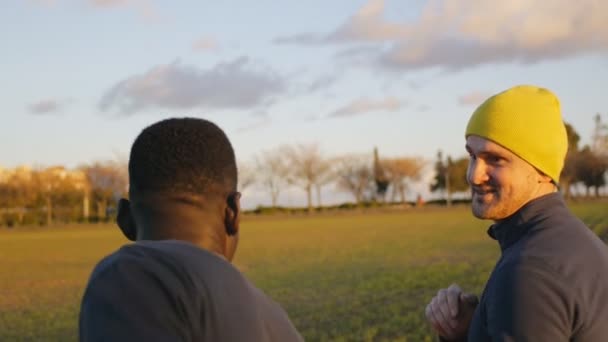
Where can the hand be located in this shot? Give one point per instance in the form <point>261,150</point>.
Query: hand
<point>450,312</point>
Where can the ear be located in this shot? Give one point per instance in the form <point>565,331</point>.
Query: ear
<point>125,221</point>
<point>232,216</point>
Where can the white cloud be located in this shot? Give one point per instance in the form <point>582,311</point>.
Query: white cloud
<point>143,7</point>
<point>46,106</point>
<point>263,121</point>
<point>236,84</point>
<point>361,106</point>
<point>303,38</point>
<point>463,33</point>
<point>424,108</point>
<point>322,83</point>
<point>48,3</point>
<point>473,99</point>
<point>109,3</point>
<point>368,25</point>
<point>204,44</point>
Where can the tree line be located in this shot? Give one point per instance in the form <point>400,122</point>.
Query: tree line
<point>366,177</point>
<point>89,193</point>
<point>56,194</point>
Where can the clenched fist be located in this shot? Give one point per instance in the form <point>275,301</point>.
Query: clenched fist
<point>450,312</point>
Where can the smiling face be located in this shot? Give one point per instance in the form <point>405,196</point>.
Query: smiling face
<point>501,182</point>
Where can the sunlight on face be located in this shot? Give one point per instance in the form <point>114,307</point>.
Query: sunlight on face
<point>501,182</point>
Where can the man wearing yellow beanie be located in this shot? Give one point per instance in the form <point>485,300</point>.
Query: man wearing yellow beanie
<point>551,282</point>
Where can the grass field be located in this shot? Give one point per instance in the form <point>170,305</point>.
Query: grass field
<point>356,277</point>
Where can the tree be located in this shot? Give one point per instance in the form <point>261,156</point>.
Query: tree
<point>591,170</point>
<point>19,192</point>
<point>107,181</point>
<point>380,177</point>
<point>442,179</point>
<point>308,167</point>
<point>399,171</point>
<point>570,170</point>
<point>355,175</point>
<point>457,173</point>
<point>325,177</point>
<point>272,172</point>
<point>49,182</point>
<point>246,176</point>
<point>450,176</point>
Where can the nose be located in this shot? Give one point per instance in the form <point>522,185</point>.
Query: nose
<point>477,172</point>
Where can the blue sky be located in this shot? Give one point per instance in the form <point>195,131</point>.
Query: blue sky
<point>81,78</point>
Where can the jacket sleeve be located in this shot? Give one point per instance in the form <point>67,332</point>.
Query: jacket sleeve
<point>131,302</point>
<point>530,302</point>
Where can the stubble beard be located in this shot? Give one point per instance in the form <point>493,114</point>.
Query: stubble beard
<point>487,204</point>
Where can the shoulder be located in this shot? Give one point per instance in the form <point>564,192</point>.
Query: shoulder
<point>133,295</point>
<point>564,245</point>
<point>276,320</point>
<point>171,265</point>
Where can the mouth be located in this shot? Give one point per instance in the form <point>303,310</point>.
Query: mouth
<point>482,194</point>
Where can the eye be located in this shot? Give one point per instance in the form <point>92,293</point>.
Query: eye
<point>494,159</point>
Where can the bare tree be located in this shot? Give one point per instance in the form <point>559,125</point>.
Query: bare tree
<point>271,170</point>
<point>246,176</point>
<point>107,181</point>
<point>326,176</point>
<point>308,169</point>
<point>354,174</point>
<point>399,171</point>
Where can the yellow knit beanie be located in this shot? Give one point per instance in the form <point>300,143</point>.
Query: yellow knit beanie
<point>527,121</point>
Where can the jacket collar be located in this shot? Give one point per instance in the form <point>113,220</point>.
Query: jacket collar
<point>510,230</point>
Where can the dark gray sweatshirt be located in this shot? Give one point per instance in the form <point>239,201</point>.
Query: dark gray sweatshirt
<point>175,291</point>
<point>551,282</point>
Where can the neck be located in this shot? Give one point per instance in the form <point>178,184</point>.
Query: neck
<point>544,189</point>
<point>541,190</point>
<point>198,223</point>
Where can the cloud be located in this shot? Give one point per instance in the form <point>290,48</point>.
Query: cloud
<point>143,7</point>
<point>204,44</point>
<point>322,82</point>
<point>236,84</point>
<point>415,84</point>
<point>368,25</point>
<point>47,3</point>
<point>358,55</point>
<point>456,34</point>
<point>424,108</point>
<point>264,121</point>
<point>303,38</point>
<point>473,99</point>
<point>46,106</point>
<point>365,25</point>
<point>364,105</point>
<point>109,3</point>
<point>311,117</point>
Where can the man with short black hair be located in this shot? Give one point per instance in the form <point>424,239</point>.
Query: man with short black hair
<point>176,282</point>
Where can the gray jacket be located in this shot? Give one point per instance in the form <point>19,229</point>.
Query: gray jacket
<point>551,282</point>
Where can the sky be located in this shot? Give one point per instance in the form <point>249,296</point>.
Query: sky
<point>80,79</point>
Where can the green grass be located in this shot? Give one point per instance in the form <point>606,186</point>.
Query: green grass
<point>358,277</point>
